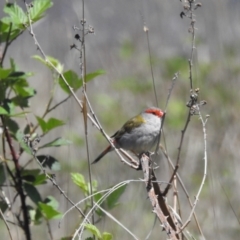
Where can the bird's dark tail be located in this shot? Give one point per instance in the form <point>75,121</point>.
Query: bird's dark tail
<point>108,149</point>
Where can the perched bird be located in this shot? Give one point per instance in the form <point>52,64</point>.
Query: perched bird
<point>139,134</point>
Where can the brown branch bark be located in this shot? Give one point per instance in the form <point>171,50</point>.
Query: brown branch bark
<point>157,199</point>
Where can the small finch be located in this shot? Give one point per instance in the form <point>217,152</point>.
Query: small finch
<point>139,134</point>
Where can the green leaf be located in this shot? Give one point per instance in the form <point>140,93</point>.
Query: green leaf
<point>94,230</point>
<point>57,143</point>
<point>38,9</point>
<point>9,106</point>
<point>98,211</point>
<point>79,180</point>
<point>25,91</point>
<point>67,238</point>
<point>20,101</point>
<point>35,215</point>
<point>50,162</point>
<point>107,236</point>
<point>114,197</point>
<point>2,174</point>
<point>74,82</point>
<point>30,174</point>
<point>51,201</point>
<point>49,62</point>
<point>50,124</point>
<point>16,74</point>
<point>72,79</point>
<point>40,179</point>
<point>3,111</point>
<point>53,123</point>
<point>48,211</point>
<point>18,17</point>
<point>5,24</point>
<point>4,73</point>
<point>92,75</point>
<point>12,126</point>
<point>32,193</point>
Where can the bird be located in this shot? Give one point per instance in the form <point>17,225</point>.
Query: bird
<point>139,134</point>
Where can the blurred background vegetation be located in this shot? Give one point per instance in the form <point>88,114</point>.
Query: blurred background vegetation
<point>119,46</point>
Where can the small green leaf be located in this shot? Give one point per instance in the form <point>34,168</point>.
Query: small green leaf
<point>92,75</point>
<point>22,102</point>
<point>40,179</point>
<point>16,74</point>
<point>67,238</point>
<point>49,62</point>
<point>3,111</point>
<point>30,174</point>
<point>114,196</point>
<point>12,125</point>
<point>57,143</point>
<point>94,230</point>
<point>98,211</point>
<point>53,123</point>
<point>50,124</point>
<point>74,82</point>
<point>5,24</point>
<point>9,106</point>
<point>48,211</point>
<point>51,201</point>
<point>79,180</point>
<point>42,124</point>
<point>50,162</point>
<point>35,215</point>
<point>25,91</point>
<point>38,9</point>
<point>107,236</point>
<point>18,17</point>
<point>72,79</point>
<point>4,73</point>
<point>32,193</point>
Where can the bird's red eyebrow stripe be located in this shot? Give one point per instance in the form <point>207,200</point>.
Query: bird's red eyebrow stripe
<point>157,112</point>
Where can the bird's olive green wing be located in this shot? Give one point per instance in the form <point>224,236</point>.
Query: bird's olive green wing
<point>129,125</point>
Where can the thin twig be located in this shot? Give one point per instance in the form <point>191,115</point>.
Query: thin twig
<point>176,75</point>
<point>205,170</point>
<point>179,152</point>
<point>58,187</point>
<point>183,187</point>
<point>193,42</point>
<point>230,204</point>
<point>84,110</point>
<point>146,30</point>
<point>1,213</point>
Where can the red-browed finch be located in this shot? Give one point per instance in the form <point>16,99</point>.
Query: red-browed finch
<point>139,134</point>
